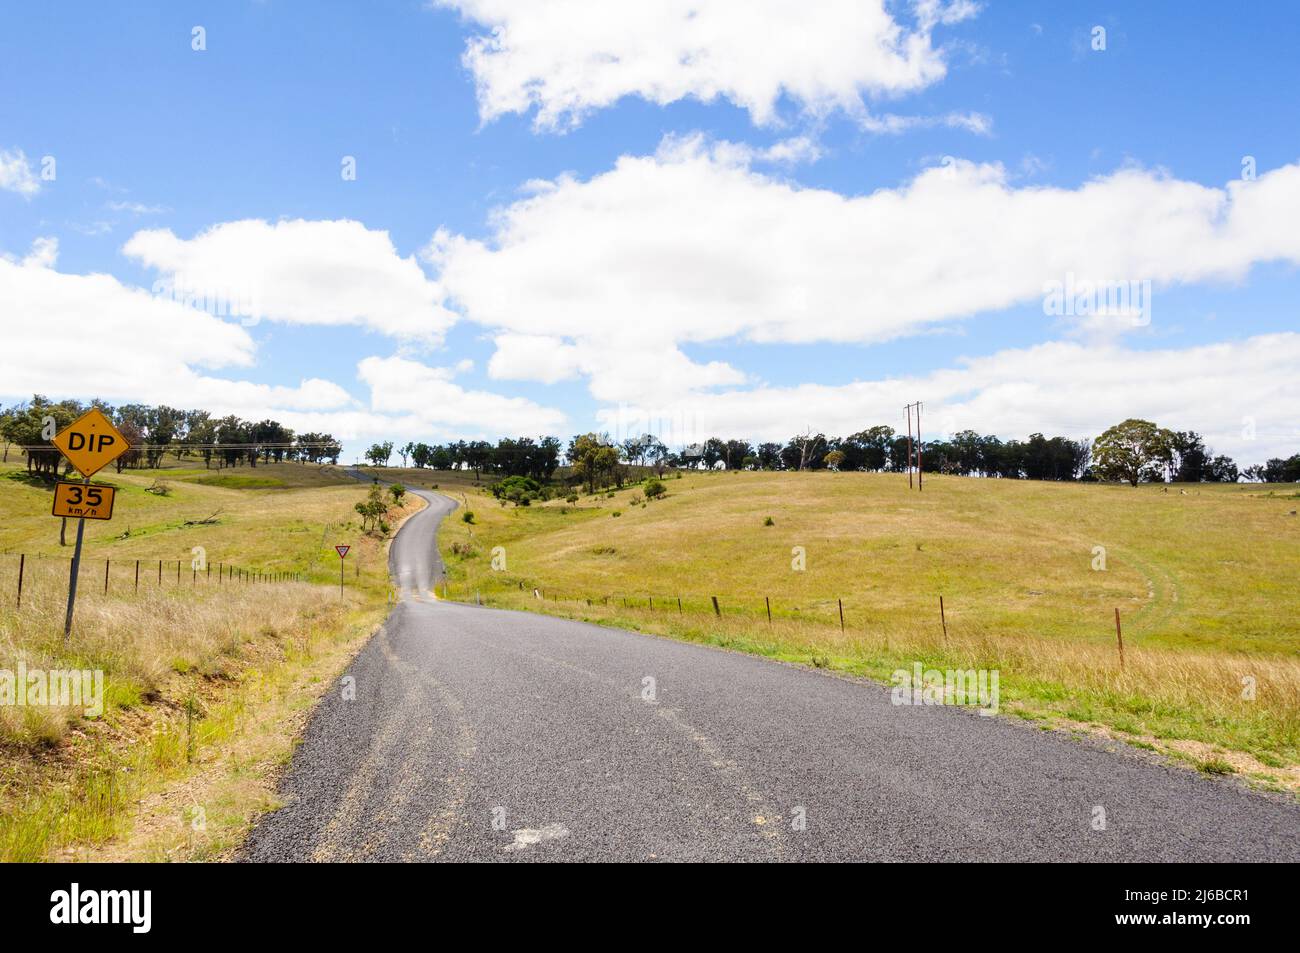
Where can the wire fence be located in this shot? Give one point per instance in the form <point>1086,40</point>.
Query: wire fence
<point>22,575</point>
<point>828,611</point>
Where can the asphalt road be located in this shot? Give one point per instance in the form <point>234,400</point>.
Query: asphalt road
<point>482,734</point>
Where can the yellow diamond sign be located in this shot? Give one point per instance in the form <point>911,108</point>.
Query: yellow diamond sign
<point>91,442</point>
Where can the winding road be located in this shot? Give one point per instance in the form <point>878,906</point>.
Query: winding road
<point>483,734</point>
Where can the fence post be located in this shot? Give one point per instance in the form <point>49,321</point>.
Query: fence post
<point>943,618</point>
<point>841,602</point>
<point>160,572</point>
<point>716,611</point>
<point>22,563</point>
<point>679,605</point>
<point>137,577</point>
<point>1119,637</point>
<point>768,600</point>
<point>105,577</point>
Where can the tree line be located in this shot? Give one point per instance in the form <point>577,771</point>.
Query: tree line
<point>523,456</point>
<point>1134,451</point>
<point>155,432</point>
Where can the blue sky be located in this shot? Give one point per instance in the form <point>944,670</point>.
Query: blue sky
<point>594,301</point>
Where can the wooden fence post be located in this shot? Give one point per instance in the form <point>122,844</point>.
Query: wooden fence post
<point>841,602</point>
<point>768,600</point>
<point>943,618</point>
<point>22,564</point>
<point>716,611</point>
<point>137,577</point>
<point>1119,638</point>
<point>105,577</point>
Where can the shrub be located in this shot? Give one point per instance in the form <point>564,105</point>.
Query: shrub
<point>654,488</point>
<point>519,490</point>
<point>373,509</point>
<point>398,491</point>
<point>468,516</point>
<point>769,522</point>
<point>571,498</point>
<point>616,513</point>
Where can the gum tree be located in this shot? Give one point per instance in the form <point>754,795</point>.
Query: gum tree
<point>1134,452</point>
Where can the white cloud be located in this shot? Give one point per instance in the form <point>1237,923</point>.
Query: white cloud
<point>794,150</point>
<point>569,57</point>
<point>90,335</point>
<point>16,175</point>
<point>691,245</point>
<point>428,396</point>
<point>136,208</point>
<point>891,124</point>
<point>1065,388</point>
<point>44,253</point>
<point>301,272</point>
<point>97,332</point>
<point>617,371</point>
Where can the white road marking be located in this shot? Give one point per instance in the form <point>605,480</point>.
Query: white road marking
<point>526,837</point>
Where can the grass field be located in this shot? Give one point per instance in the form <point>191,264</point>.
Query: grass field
<point>1203,576</point>
<point>206,679</point>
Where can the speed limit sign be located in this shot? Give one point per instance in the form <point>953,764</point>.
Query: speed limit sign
<point>83,501</point>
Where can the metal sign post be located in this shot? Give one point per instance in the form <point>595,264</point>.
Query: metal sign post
<point>74,572</point>
<point>343,554</point>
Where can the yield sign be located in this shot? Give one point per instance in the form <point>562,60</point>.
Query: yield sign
<point>342,551</point>
<point>91,442</point>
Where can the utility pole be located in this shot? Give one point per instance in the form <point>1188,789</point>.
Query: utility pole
<point>917,459</point>
<point>920,469</point>
<point>908,408</point>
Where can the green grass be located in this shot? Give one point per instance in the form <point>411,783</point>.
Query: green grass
<point>1204,581</point>
<point>243,482</point>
